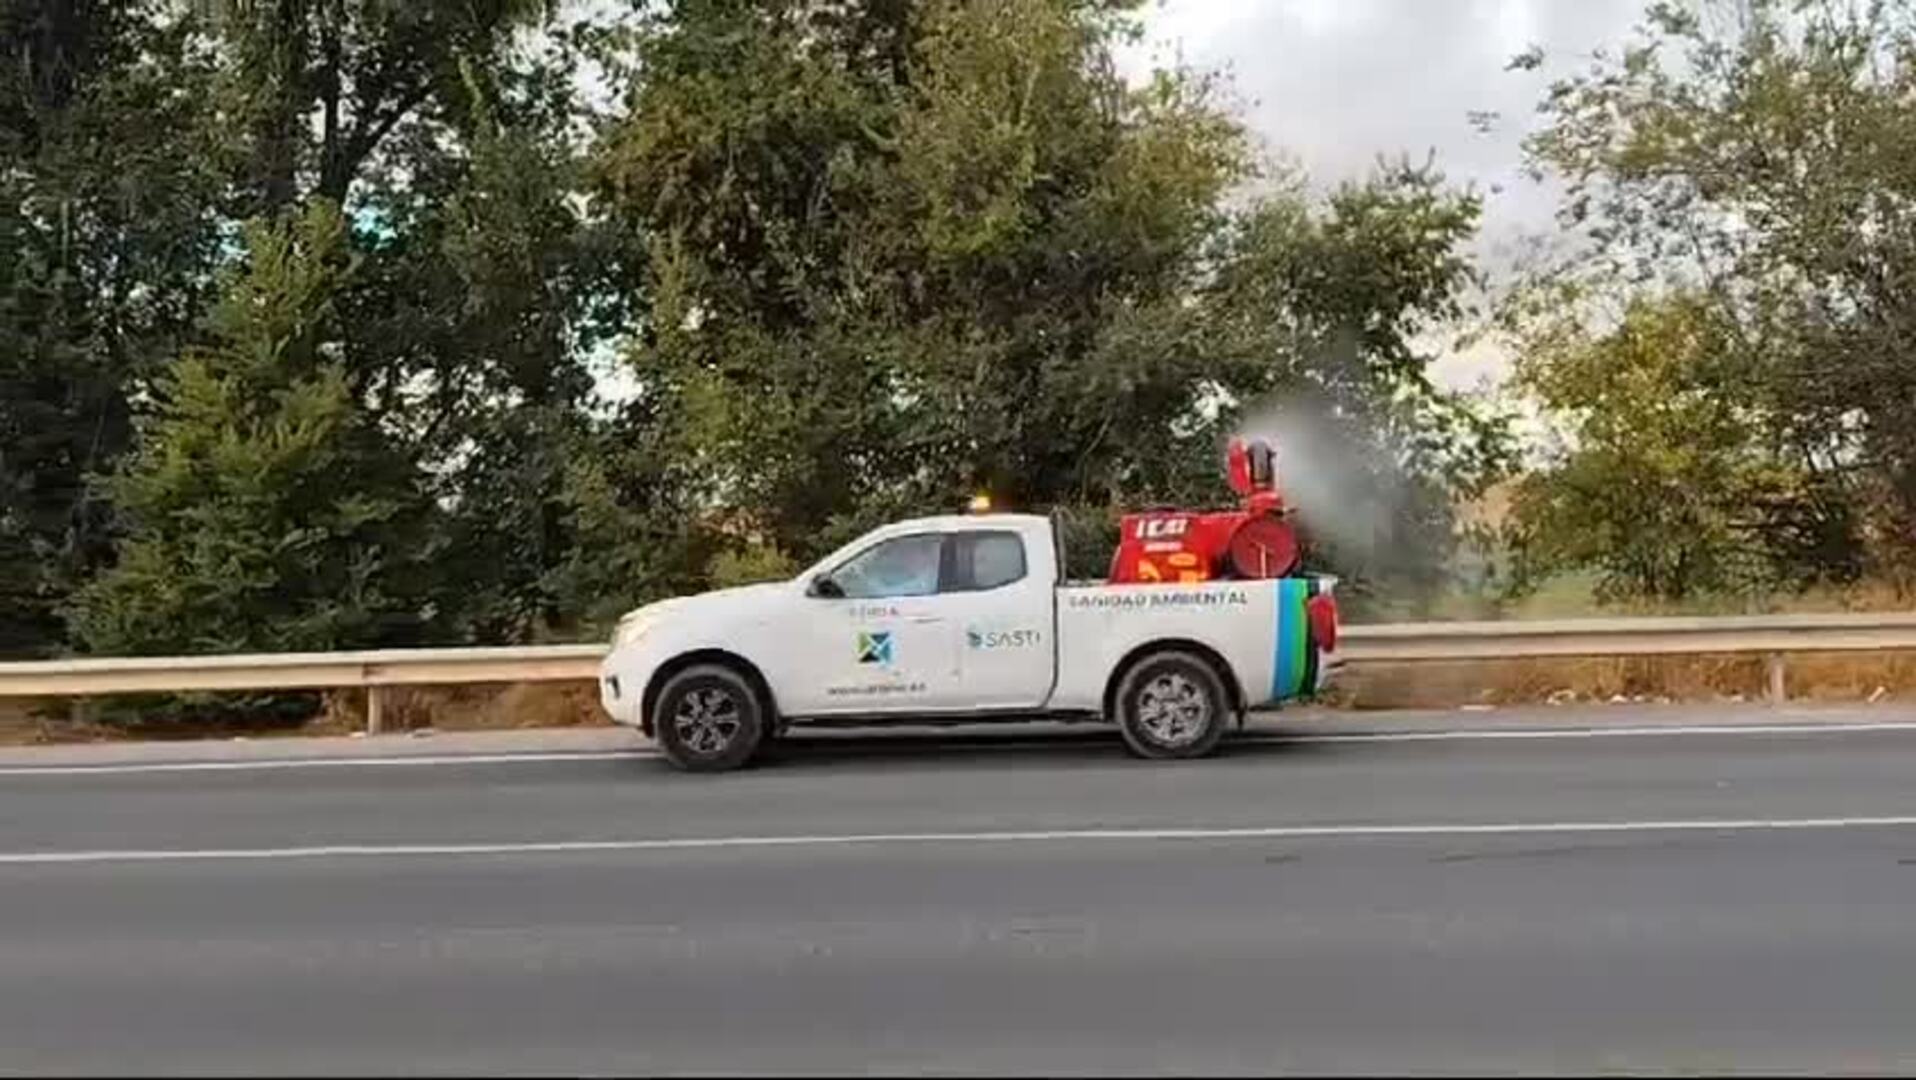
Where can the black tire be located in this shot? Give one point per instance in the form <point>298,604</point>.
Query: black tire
<point>773,742</point>
<point>1172,704</point>
<point>709,719</point>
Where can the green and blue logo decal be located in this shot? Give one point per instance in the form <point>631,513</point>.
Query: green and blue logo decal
<point>875,647</point>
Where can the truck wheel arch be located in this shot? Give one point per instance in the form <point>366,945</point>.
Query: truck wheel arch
<point>1204,652</point>
<point>704,656</point>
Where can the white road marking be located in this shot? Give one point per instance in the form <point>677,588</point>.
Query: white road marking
<point>1591,733</point>
<point>323,763</point>
<point>1256,737</point>
<point>708,843</point>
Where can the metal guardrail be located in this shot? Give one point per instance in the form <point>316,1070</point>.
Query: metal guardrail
<point>373,671</point>
<point>1771,636</point>
<point>1656,636</point>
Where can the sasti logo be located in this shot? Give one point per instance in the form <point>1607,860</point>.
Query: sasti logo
<point>1001,639</point>
<point>875,647</point>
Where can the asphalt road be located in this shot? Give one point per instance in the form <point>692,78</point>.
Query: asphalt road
<point>1433,900</point>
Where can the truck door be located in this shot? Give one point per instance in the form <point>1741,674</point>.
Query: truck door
<point>877,639</point>
<point>1001,613</point>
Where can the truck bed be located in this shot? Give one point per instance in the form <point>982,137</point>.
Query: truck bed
<point>1260,629</point>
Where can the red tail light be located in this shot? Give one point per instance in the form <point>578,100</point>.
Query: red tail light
<point>1322,610</point>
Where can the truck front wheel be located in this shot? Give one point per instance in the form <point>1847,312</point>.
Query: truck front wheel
<point>1172,705</point>
<point>709,719</point>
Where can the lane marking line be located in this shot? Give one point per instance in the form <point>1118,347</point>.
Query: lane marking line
<point>1277,832</point>
<point>1253,738</point>
<point>323,763</point>
<point>1595,733</point>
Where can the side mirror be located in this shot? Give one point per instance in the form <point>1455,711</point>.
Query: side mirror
<point>824,586</point>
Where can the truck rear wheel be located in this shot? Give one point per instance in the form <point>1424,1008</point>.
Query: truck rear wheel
<point>709,719</point>
<point>1172,705</point>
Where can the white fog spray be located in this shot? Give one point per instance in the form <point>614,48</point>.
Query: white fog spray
<point>1340,477</point>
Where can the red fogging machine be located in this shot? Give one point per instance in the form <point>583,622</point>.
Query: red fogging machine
<point>1254,541</point>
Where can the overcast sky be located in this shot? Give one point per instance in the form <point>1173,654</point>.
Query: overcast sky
<point>1335,83</point>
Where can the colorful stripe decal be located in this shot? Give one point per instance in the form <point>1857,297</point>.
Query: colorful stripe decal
<point>1297,595</point>
<point>1293,638</point>
<point>1277,643</point>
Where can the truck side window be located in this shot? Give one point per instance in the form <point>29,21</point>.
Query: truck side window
<point>902,566</point>
<point>985,560</point>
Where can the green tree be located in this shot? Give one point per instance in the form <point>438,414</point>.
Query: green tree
<point>489,288</point>
<point>363,68</point>
<point>313,290</point>
<point>479,286</point>
<point>1669,483</point>
<point>881,280</point>
<point>112,173</point>
<point>1758,157</point>
<point>265,510</point>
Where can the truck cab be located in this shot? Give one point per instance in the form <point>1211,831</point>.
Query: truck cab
<point>960,617</point>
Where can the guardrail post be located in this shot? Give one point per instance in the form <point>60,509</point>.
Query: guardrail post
<point>1779,692</point>
<point>375,722</point>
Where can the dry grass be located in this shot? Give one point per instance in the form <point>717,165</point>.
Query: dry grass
<point>18,724</point>
<point>27,722</point>
<point>468,708</point>
<point>447,708</point>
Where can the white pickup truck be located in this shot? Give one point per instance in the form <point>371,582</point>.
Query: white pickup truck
<point>962,618</point>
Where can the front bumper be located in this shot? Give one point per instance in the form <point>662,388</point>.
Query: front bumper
<point>622,681</point>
